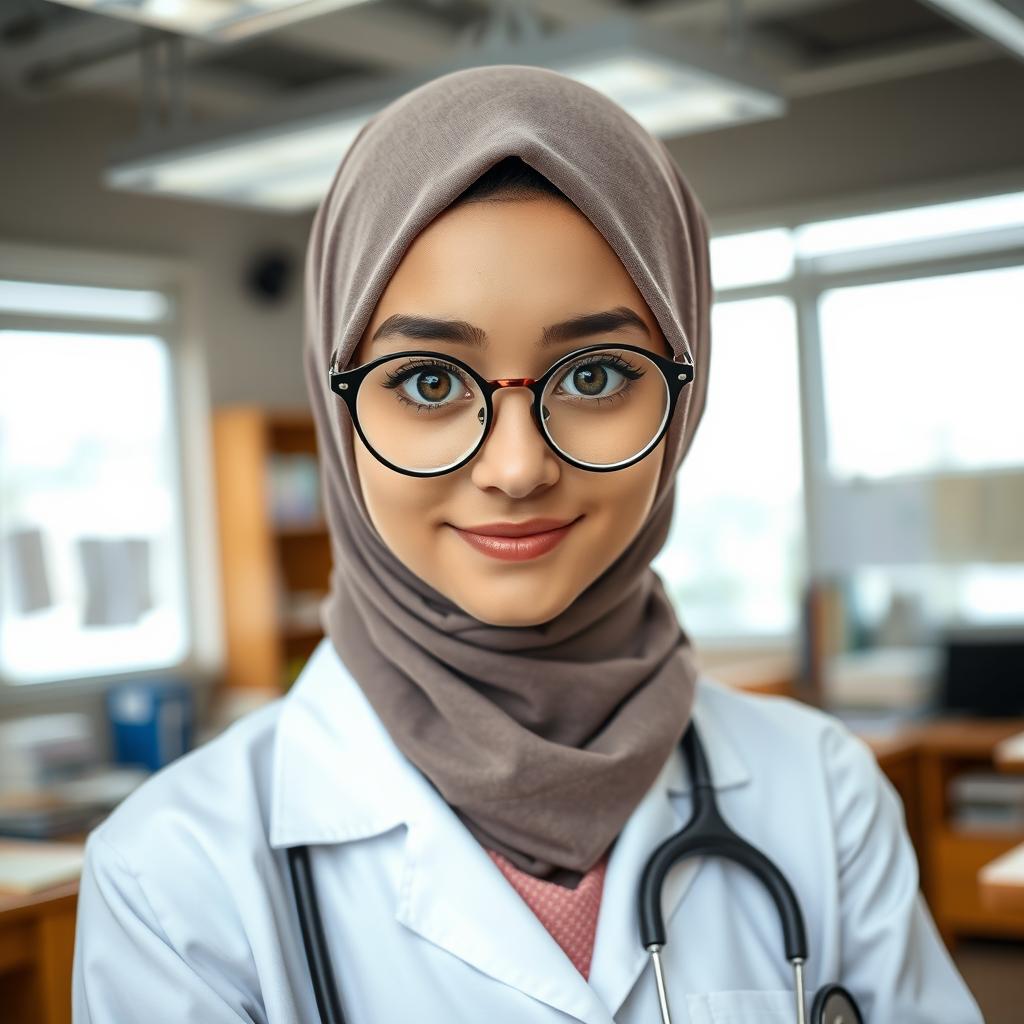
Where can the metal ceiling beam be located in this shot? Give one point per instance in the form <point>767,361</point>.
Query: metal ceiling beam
<point>1002,21</point>
<point>886,67</point>
<point>110,66</point>
<point>32,60</point>
<point>578,12</point>
<point>705,13</point>
<point>402,39</point>
<point>392,39</point>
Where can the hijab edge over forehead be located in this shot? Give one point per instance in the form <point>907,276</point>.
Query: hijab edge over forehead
<point>540,160</point>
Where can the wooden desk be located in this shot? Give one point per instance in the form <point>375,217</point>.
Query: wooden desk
<point>37,945</point>
<point>953,857</point>
<point>1001,882</point>
<point>920,760</point>
<point>37,932</point>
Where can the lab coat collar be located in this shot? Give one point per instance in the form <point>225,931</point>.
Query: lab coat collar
<point>337,774</point>
<point>339,777</point>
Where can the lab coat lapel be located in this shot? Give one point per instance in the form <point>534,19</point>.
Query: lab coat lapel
<point>454,896</point>
<point>329,746</point>
<point>618,958</point>
<point>450,892</point>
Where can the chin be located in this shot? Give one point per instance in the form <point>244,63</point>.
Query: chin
<point>521,610</point>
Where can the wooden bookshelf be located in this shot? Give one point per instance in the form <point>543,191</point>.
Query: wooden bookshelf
<point>264,562</point>
<point>37,948</point>
<point>953,857</point>
<point>921,759</point>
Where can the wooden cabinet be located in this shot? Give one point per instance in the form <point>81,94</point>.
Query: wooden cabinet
<point>921,760</point>
<point>37,947</point>
<point>268,563</point>
<point>953,856</point>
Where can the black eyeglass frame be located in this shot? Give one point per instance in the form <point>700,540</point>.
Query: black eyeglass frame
<point>345,384</point>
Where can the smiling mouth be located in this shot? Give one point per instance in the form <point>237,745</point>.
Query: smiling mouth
<point>523,529</point>
<point>520,546</point>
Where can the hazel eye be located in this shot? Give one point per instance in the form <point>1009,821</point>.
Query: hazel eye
<point>599,378</point>
<point>427,385</point>
<point>430,386</point>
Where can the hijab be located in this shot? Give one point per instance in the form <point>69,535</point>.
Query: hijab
<point>542,739</point>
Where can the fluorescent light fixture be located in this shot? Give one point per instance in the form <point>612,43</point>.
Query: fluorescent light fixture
<point>285,158</point>
<point>1002,21</point>
<point>217,20</point>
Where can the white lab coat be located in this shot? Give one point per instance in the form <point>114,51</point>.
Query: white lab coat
<point>186,910</point>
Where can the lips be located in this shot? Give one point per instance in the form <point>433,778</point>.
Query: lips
<point>523,529</point>
<point>516,542</point>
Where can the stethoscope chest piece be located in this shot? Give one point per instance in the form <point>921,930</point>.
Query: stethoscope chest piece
<point>834,1005</point>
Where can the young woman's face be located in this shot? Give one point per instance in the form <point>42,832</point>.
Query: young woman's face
<point>510,269</point>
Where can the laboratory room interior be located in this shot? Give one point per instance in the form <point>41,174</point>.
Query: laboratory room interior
<point>848,528</point>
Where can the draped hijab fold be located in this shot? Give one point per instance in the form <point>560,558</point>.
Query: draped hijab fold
<point>542,739</point>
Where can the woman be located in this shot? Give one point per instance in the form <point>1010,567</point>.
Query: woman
<point>507,354</point>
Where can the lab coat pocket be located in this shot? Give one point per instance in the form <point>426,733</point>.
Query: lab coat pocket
<point>771,1006</point>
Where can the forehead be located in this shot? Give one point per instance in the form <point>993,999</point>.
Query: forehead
<point>516,263</point>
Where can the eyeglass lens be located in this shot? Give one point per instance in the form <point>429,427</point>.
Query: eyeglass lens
<point>424,413</point>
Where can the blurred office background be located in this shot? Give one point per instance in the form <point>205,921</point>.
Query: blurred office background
<point>850,521</point>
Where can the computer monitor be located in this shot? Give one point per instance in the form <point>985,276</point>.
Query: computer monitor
<point>982,672</point>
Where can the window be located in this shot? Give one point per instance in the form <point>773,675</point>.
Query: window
<point>918,601</point>
<point>907,392</point>
<point>924,375</point>
<point>734,563</point>
<point>94,574</point>
<point>755,257</point>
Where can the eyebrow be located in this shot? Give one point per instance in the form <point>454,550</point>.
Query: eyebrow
<point>405,325</point>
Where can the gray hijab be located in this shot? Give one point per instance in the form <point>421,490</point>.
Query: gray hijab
<point>542,739</point>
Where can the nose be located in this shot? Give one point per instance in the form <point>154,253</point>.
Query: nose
<point>515,458</point>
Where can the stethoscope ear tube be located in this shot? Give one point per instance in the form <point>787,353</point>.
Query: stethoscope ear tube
<point>707,834</point>
<point>313,939</point>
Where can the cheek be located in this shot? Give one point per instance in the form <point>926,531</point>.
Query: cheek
<point>617,505</point>
<point>629,493</point>
<point>400,506</point>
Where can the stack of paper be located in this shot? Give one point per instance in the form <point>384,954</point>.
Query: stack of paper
<point>27,867</point>
<point>1011,751</point>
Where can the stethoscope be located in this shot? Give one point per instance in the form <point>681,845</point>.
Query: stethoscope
<point>705,834</point>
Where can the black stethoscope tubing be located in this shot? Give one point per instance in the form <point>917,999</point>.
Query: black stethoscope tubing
<point>705,834</point>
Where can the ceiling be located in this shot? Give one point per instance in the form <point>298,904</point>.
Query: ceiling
<point>49,51</point>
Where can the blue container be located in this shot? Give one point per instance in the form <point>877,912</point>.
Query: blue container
<point>151,721</point>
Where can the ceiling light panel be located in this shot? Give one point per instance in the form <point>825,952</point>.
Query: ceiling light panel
<point>212,19</point>
<point>284,158</point>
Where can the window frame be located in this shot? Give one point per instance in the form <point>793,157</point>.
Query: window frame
<point>192,416</point>
<point>988,250</point>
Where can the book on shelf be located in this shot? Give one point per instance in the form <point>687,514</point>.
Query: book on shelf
<point>986,801</point>
<point>294,490</point>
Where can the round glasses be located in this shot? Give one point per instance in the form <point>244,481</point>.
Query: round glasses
<point>601,408</point>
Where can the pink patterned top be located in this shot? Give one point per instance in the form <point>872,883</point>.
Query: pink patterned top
<point>570,915</point>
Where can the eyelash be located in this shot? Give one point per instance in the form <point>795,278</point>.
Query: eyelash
<point>394,379</point>
<point>624,367</point>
